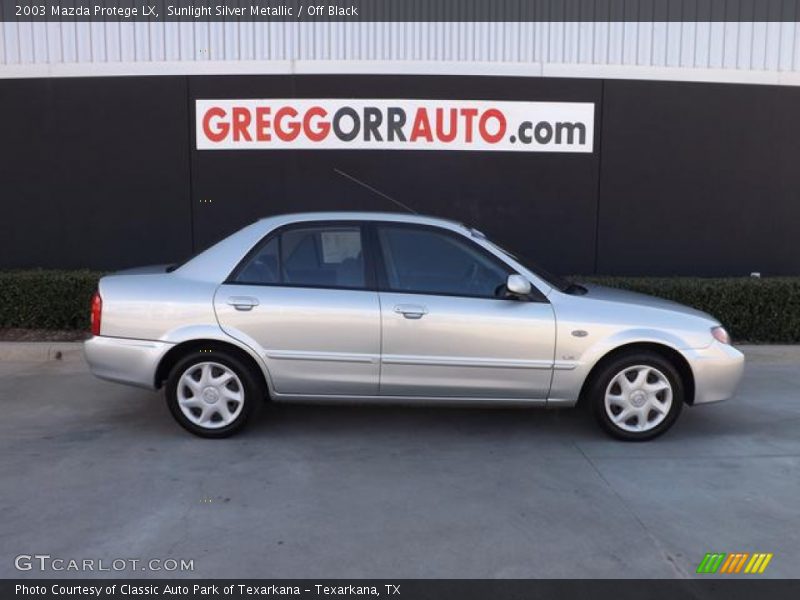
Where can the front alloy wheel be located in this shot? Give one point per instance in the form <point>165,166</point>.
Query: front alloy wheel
<point>637,396</point>
<point>211,394</point>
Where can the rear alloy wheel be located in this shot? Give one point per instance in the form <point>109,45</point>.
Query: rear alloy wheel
<point>638,396</point>
<point>211,394</point>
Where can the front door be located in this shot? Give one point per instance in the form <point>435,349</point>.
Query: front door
<point>448,328</point>
<point>303,296</point>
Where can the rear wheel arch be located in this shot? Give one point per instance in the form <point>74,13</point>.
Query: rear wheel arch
<point>667,352</point>
<point>207,348</point>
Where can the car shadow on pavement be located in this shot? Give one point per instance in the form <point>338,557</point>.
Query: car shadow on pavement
<point>399,419</point>
<point>729,421</point>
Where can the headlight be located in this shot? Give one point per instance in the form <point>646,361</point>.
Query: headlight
<point>721,335</point>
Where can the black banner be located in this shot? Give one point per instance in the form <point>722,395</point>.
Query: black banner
<point>414,589</point>
<point>400,10</point>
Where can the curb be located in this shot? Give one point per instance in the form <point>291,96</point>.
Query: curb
<point>41,351</point>
<point>771,353</point>
<point>68,351</point>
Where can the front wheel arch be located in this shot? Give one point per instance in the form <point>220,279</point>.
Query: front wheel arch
<point>207,348</point>
<point>673,356</point>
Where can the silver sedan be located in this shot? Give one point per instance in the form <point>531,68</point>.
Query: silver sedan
<point>397,308</point>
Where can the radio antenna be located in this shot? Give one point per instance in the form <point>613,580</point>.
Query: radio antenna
<point>374,191</point>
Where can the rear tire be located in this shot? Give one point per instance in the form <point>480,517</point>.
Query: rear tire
<point>212,394</point>
<point>637,396</point>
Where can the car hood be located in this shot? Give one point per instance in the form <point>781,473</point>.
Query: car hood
<point>618,296</point>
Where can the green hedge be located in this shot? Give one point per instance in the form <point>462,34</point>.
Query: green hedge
<point>763,310</point>
<point>753,310</point>
<point>40,299</point>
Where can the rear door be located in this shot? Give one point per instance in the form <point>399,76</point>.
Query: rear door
<point>306,296</point>
<point>448,328</point>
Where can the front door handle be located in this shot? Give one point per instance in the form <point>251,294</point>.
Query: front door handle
<point>243,302</point>
<point>411,311</point>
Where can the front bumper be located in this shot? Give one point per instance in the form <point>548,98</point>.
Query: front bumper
<point>123,360</point>
<point>717,371</point>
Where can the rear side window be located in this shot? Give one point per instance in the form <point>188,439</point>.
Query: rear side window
<point>262,268</point>
<point>325,256</point>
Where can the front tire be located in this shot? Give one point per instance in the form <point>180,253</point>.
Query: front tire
<point>637,396</point>
<point>212,394</point>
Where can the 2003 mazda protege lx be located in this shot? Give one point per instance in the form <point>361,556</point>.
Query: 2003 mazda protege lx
<point>392,307</point>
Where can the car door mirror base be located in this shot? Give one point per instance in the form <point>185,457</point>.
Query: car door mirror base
<point>518,286</point>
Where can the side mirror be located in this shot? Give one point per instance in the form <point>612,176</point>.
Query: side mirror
<point>518,285</point>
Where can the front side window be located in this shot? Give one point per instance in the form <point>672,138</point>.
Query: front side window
<point>425,261</point>
<point>323,256</point>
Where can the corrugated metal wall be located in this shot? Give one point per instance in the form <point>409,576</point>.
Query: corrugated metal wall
<point>770,46</point>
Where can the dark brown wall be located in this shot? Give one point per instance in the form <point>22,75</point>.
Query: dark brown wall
<point>93,172</point>
<point>699,178</point>
<point>688,179</point>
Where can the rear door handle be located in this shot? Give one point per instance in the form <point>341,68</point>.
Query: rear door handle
<point>243,302</point>
<point>411,311</point>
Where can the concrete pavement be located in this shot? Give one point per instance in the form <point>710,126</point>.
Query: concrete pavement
<point>93,470</point>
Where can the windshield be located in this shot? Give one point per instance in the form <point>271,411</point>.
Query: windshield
<point>562,284</point>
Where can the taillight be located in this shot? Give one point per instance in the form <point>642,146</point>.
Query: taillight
<point>97,310</point>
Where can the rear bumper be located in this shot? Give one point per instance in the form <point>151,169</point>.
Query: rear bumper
<point>717,371</point>
<point>133,362</point>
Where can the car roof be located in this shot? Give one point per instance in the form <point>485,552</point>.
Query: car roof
<point>399,217</point>
<point>216,262</point>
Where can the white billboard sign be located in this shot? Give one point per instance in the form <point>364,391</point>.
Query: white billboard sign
<point>359,124</point>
